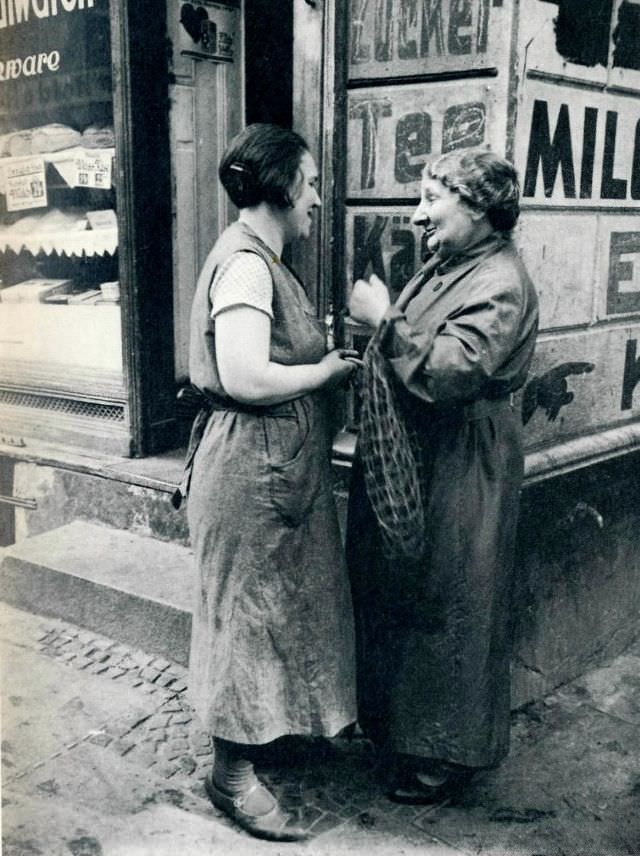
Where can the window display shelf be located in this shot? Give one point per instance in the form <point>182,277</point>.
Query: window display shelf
<point>88,242</point>
<point>77,336</point>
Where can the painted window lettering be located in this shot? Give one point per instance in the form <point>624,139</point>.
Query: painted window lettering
<point>461,125</point>
<point>413,142</point>
<point>369,110</point>
<point>552,153</point>
<point>15,12</point>
<point>631,374</point>
<point>623,288</point>
<point>424,28</point>
<point>388,246</point>
<point>583,32</point>
<point>29,66</point>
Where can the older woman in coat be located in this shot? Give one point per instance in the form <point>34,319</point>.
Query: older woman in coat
<point>433,632</point>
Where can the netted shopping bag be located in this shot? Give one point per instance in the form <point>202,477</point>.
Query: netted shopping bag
<point>391,458</point>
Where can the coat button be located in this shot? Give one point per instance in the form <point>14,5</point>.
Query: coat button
<point>437,286</point>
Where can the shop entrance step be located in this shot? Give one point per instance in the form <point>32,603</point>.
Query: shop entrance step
<point>132,588</point>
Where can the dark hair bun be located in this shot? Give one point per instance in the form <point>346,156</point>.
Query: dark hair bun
<point>240,183</point>
<point>261,164</point>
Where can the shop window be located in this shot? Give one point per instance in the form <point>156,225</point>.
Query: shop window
<point>85,300</point>
<point>60,290</point>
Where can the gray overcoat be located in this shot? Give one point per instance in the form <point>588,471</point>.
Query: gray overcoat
<point>433,635</point>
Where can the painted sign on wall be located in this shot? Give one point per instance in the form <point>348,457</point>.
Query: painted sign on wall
<point>393,131</point>
<point>585,267</point>
<point>623,274</point>
<point>560,253</point>
<point>596,42</point>
<point>581,384</point>
<point>395,38</point>
<point>578,147</point>
<point>383,241</point>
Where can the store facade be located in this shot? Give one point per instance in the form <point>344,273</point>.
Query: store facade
<point>114,117</point>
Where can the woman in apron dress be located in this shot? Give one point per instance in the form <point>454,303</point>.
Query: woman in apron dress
<point>272,644</point>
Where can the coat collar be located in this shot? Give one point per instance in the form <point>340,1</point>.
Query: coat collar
<point>470,257</point>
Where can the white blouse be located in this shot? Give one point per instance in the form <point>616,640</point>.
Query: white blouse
<point>243,280</point>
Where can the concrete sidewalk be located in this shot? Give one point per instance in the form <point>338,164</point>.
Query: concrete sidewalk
<point>100,757</point>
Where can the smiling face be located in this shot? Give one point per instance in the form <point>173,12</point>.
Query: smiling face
<point>304,195</point>
<point>450,224</point>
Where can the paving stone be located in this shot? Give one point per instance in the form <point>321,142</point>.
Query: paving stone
<point>202,751</point>
<point>126,661</point>
<point>167,770</point>
<point>115,672</point>
<point>327,822</point>
<point>188,764</point>
<point>173,706</point>
<point>50,651</point>
<point>122,747</point>
<point>100,739</point>
<point>145,754</point>
<point>141,658</point>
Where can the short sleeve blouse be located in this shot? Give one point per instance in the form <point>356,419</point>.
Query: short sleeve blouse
<point>243,280</point>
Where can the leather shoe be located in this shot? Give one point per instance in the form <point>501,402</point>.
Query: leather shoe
<point>273,825</point>
<point>415,791</point>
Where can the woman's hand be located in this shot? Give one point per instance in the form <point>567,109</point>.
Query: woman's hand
<point>339,365</point>
<point>369,301</point>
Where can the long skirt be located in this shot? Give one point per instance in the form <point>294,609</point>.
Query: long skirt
<point>434,636</point>
<point>273,643</point>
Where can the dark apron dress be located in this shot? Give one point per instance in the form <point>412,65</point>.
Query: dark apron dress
<point>272,645</point>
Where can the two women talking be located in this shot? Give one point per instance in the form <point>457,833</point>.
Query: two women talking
<point>274,643</point>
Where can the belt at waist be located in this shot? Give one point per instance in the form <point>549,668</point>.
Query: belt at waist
<point>209,404</point>
<point>485,406</point>
<point>471,410</point>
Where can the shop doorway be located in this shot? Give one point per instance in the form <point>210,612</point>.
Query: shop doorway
<point>210,102</point>
<point>268,62</point>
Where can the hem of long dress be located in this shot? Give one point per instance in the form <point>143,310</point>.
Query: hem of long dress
<point>440,752</point>
<point>222,730</point>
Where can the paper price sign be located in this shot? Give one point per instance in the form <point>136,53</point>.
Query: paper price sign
<point>93,169</point>
<point>25,185</point>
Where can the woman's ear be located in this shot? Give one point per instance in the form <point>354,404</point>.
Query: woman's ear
<point>477,214</point>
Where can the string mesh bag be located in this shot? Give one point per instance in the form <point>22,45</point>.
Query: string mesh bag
<point>392,459</point>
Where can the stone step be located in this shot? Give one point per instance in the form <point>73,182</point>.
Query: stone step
<point>130,587</point>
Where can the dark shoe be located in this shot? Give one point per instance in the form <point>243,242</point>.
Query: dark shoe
<point>415,791</point>
<point>273,825</point>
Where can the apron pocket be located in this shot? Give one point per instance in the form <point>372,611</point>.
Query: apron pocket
<point>296,479</point>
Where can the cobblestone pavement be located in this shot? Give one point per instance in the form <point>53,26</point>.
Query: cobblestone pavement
<point>569,788</point>
<point>326,783</point>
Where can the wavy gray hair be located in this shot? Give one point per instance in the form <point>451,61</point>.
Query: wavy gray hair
<point>484,180</point>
